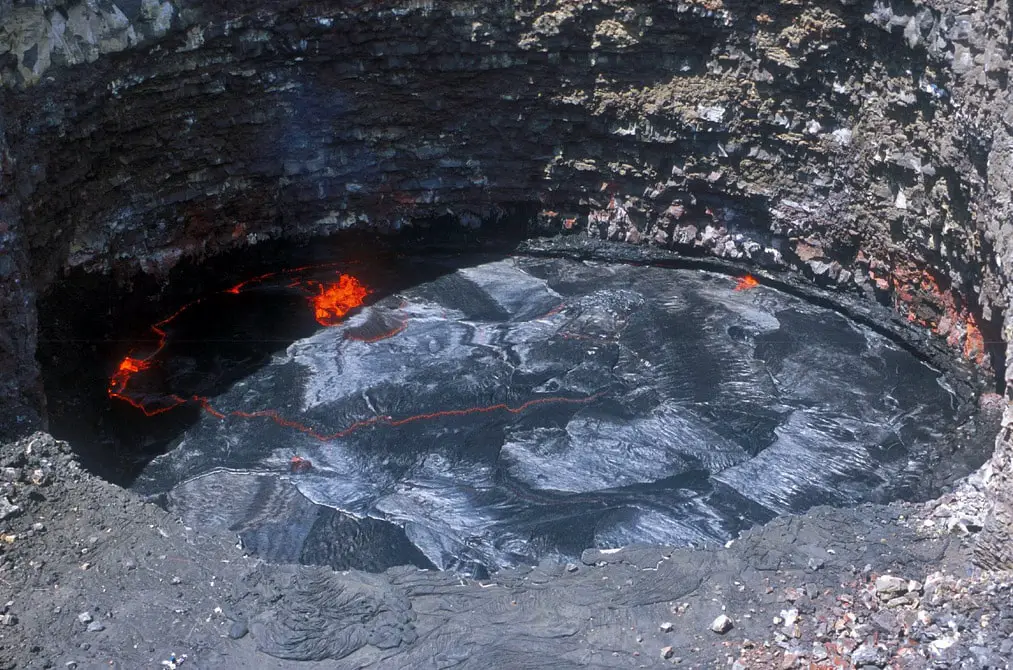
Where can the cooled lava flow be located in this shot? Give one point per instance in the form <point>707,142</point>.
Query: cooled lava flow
<point>532,407</point>
<point>331,303</point>
<point>383,327</point>
<point>391,421</point>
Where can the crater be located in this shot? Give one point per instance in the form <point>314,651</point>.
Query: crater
<point>468,287</point>
<point>473,412</point>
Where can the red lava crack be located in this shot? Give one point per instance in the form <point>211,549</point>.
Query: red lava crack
<point>331,303</point>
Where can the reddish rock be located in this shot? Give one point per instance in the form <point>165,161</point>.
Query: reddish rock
<point>807,252</point>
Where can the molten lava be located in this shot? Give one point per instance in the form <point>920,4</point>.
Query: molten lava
<point>428,416</point>
<point>241,286</point>
<point>331,302</point>
<point>132,365</point>
<point>125,371</point>
<point>746,283</point>
<point>334,301</point>
<point>128,367</point>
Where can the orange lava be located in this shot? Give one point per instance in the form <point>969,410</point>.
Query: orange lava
<point>941,310</point>
<point>746,283</point>
<point>331,302</point>
<point>391,421</point>
<point>974,344</point>
<point>133,364</point>
<point>238,288</point>
<point>128,366</point>
<point>335,300</point>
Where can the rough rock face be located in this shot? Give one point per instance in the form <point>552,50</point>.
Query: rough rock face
<point>995,548</point>
<point>96,579</point>
<point>20,388</point>
<point>863,144</point>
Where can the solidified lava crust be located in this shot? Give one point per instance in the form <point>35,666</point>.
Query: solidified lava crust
<point>520,408</point>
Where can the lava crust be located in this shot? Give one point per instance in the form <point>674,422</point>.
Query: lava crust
<point>513,410</point>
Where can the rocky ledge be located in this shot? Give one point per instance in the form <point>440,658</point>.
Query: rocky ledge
<point>95,577</point>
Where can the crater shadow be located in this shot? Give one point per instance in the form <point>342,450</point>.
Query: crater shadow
<point>205,327</point>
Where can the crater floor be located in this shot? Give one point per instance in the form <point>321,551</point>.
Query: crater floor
<point>509,411</point>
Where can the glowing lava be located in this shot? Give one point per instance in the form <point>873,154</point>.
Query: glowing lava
<point>335,300</point>
<point>391,421</point>
<point>746,283</point>
<point>331,302</point>
<point>128,367</point>
<point>125,371</point>
<point>241,286</point>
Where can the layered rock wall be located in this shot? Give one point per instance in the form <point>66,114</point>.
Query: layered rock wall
<point>863,144</point>
<point>21,399</point>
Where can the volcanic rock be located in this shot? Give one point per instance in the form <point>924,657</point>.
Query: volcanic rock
<point>722,624</point>
<point>888,586</point>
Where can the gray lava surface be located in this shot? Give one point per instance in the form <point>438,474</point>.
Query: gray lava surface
<point>526,409</point>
